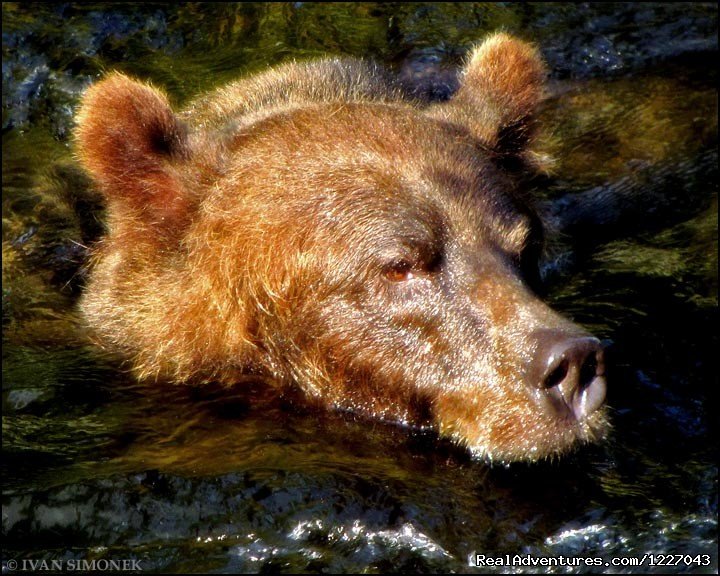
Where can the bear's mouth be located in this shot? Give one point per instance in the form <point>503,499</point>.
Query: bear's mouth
<point>551,440</point>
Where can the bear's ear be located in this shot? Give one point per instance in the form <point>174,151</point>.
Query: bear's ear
<point>502,84</point>
<point>131,143</point>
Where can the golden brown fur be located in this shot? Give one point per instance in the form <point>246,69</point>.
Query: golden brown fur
<point>313,227</point>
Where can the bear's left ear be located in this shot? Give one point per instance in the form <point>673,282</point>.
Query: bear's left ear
<point>132,144</point>
<point>502,85</point>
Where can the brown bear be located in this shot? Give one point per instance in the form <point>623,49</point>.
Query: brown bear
<point>314,227</point>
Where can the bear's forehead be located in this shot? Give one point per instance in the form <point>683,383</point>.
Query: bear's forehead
<point>332,134</point>
<point>363,148</point>
<point>390,173</point>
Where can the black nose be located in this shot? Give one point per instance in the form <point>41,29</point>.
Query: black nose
<point>568,374</point>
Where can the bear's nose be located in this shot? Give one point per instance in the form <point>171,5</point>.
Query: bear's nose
<point>568,374</point>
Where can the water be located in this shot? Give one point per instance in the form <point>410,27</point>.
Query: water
<point>98,467</point>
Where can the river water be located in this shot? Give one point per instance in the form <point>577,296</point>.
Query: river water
<point>97,467</point>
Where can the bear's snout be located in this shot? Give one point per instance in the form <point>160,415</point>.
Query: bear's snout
<point>568,373</point>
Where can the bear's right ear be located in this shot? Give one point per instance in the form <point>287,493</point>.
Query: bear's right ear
<point>502,84</point>
<point>131,143</point>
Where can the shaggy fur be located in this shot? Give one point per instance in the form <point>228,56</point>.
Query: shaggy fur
<point>313,227</point>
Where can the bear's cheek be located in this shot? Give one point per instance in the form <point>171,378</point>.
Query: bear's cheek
<point>456,359</point>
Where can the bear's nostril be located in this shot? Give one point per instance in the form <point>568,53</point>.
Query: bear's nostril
<point>556,376</point>
<point>588,372</point>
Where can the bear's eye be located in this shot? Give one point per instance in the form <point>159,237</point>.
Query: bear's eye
<point>398,271</point>
<point>528,263</point>
<point>402,270</point>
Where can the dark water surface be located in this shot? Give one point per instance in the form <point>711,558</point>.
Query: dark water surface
<point>98,467</point>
